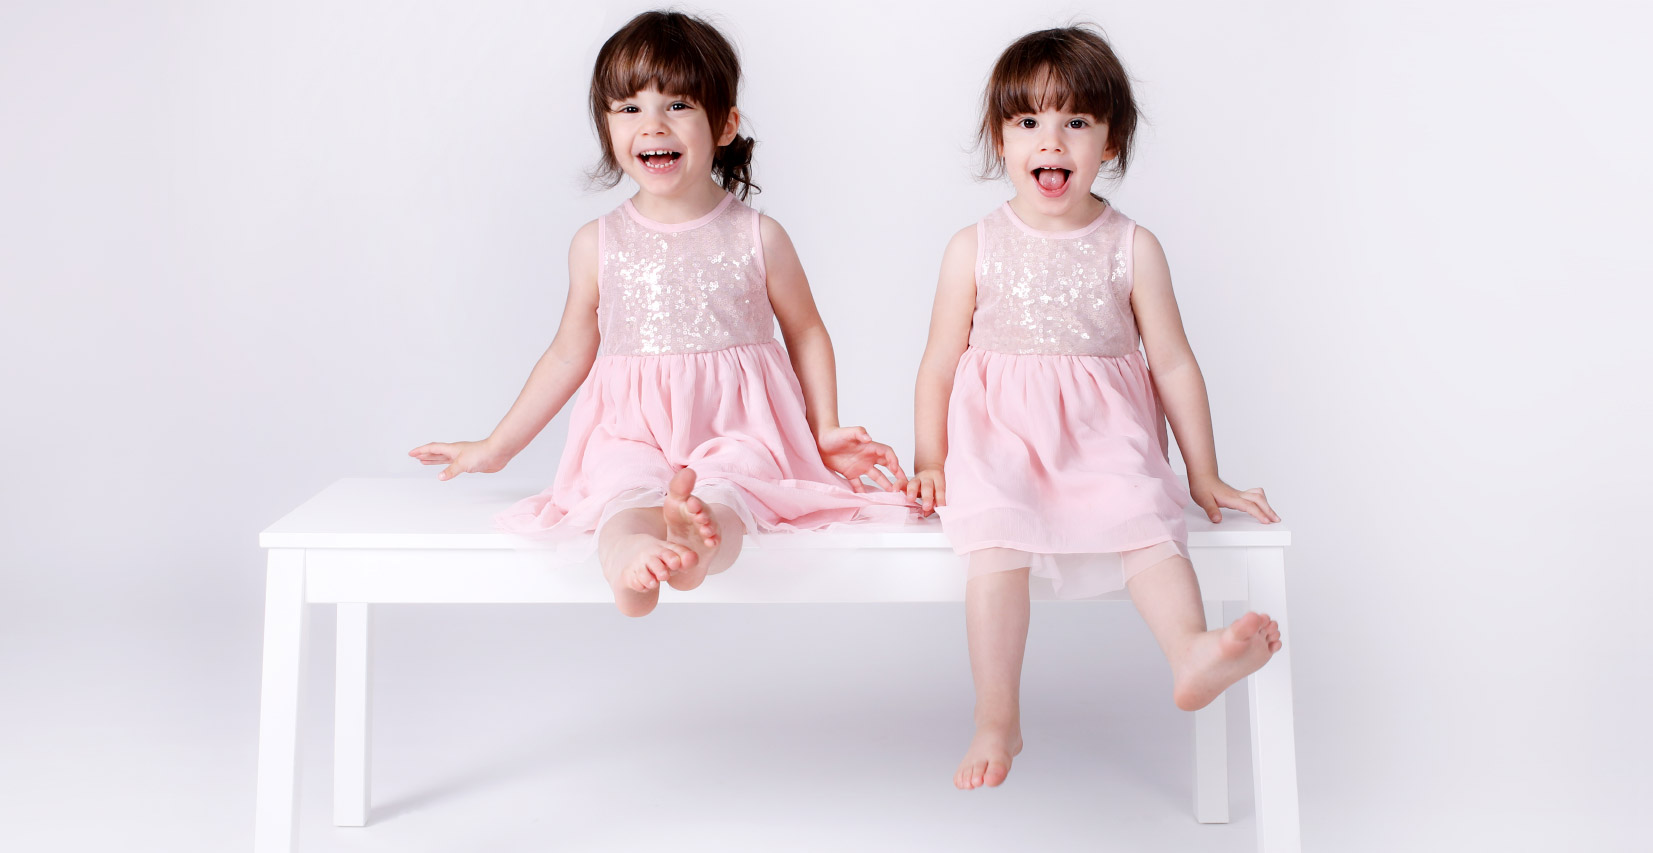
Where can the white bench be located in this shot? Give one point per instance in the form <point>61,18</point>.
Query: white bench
<point>362,542</point>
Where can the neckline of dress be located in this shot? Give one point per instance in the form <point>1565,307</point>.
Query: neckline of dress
<point>1096,223</point>
<point>669,227</point>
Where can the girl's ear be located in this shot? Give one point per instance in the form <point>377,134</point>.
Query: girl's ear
<point>731,126</point>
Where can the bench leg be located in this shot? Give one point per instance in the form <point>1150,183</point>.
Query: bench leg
<point>1273,742</point>
<point>1211,747</point>
<point>275,819</point>
<point>352,710</point>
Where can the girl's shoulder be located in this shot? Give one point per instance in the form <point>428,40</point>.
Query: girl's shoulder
<point>587,239</point>
<point>962,252</point>
<point>768,227</point>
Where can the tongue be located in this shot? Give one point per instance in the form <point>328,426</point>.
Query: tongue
<point>1052,179</point>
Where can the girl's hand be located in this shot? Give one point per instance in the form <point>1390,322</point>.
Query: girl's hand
<point>928,488</point>
<point>852,453</point>
<point>1214,493</point>
<point>461,457</point>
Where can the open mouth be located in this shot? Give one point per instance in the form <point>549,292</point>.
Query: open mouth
<point>1053,181</point>
<point>659,159</point>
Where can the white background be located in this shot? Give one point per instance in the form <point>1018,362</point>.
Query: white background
<point>247,250</point>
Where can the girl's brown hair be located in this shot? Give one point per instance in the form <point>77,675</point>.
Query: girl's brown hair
<point>1069,68</point>
<point>677,54</point>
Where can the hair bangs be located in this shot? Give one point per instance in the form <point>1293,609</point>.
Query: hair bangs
<point>671,66</point>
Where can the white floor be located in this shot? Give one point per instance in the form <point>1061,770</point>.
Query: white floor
<point>512,728</point>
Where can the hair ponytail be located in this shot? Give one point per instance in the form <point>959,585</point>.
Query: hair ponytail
<point>732,167</point>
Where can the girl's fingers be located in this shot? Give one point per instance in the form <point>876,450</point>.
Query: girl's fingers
<point>1262,501</point>
<point>1245,505</point>
<point>898,480</point>
<point>893,465</point>
<point>448,473</point>
<point>879,478</point>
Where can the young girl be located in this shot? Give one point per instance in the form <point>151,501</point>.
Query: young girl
<point>1041,440</point>
<point>691,429</point>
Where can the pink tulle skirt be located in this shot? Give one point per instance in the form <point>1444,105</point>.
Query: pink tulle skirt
<point>1062,457</point>
<point>735,415</point>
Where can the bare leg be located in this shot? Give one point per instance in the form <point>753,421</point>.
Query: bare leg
<point>1203,663</point>
<point>713,531</point>
<point>636,558</point>
<point>995,620</point>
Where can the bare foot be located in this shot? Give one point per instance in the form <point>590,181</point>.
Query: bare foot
<point>987,761</point>
<point>689,523</point>
<point>645,562</point>
<point>1218,658</point>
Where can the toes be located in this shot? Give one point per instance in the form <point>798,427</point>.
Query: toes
<point>995,774</point>
<point>687,558</point>
<point>682,484</point>
<point>1247,625</point>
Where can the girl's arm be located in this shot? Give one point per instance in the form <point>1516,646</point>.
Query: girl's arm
<point>850,451</point>
<point>1180,385</point>
<point>554,379</point>
<point>949,335</point>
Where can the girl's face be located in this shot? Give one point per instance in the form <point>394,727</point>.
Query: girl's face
<point>665,142</point>
<point>1053,157</point>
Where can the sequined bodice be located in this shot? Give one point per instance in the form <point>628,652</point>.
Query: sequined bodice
<point>692,287</point>
<point>1056,294</point>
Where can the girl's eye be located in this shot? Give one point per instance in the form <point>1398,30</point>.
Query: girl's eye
<point>680,105</point>
<point>1027,123</point>
<point>1077,123</point>
<point>628,108</point>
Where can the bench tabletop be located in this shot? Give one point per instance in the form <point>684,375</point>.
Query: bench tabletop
<point>424,513</point>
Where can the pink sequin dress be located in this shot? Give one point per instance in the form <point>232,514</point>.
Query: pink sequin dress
<point>1056,441</point>
<point>690,375</point>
